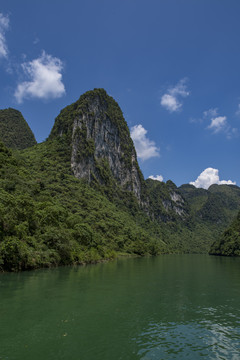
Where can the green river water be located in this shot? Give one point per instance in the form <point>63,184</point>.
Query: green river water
<point>166,307</point>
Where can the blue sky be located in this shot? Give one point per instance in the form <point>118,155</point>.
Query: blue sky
<point>172,65</point>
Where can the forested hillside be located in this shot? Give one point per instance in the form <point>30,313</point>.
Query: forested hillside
<point>212,210</point>
<point>14,130</point>
<point>229,242</point>
<point>80,196</point>
<point>48,217</point>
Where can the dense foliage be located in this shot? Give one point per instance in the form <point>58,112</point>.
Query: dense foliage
<point>14,130</point>
<point>48,217</point>
<point>229,243</point>
<point>211,210</point>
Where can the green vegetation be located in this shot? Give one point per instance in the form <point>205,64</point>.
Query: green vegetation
<point>85,145</point>
<point>161,196</point>
<point>14,130</point>
<point>49,218</point>
<point>229,242</point>
<point>218,205</point>
<point>211,210</point>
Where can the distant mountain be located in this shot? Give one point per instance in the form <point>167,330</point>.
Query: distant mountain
<point>166,202</point>
<point>14,130</point>
<point>216,206</point>
<point>211,211</point>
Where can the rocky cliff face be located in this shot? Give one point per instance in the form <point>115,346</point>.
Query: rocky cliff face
<point>165,201</point>
<point>102,149</point>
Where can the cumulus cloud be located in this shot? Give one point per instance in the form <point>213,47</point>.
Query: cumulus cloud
<point>208,177</point>
<point>157,177</point>
<point>218,124</point>
<point>171,100</point>
<point>4,25</point>
<point>44,79</point>
<point>145,147</point>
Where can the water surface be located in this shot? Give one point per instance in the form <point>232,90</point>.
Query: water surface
<point>167,307</point>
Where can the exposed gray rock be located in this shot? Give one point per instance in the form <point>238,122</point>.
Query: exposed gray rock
<point>103,151</point>
<point>176,197</point>
<point>102,148</point>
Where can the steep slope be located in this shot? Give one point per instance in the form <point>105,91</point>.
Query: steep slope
<point>102,150</point>
<point>103,154</point>
<point>229,242</point>
<point>48,217</point>
<point>216,206</point>
<point>211,211</point>
<point>14,130</point>
<point>166,203</point>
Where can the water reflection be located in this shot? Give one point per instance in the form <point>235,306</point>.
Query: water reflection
<point>169,307</point>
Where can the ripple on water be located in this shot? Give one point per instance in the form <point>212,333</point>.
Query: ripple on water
<point>189,341</point>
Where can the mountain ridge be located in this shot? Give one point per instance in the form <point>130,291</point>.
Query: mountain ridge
<point>67,201</point>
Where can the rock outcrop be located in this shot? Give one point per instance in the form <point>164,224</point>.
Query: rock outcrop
<point>101,147</point>
<point>165,201</point>
<point>103,152</point>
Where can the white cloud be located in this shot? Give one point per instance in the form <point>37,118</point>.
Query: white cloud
<point>218,124</point>
<point>4,25</point>
<point>170,100</point>
<point>208,177</point>
<point>170,103</point>
<point>180,89</point>
<point>207,115</point>
<point>44,79</point>
<point>157,177</point>
<point>145,147</point>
